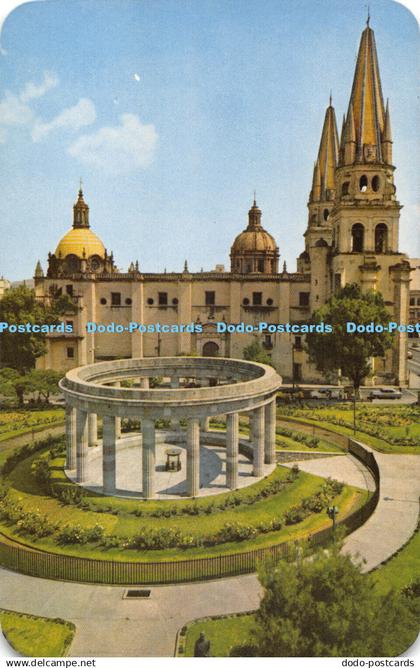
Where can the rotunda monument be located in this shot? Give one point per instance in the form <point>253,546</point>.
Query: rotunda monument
<point>193,390</point>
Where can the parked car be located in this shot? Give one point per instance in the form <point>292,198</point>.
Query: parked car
<point>327,393</point>
<point>384,393</point>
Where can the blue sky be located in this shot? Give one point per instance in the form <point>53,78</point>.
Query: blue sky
<point>174,111</point>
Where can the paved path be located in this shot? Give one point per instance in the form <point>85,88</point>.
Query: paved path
<point>396,515</point>
<point>344,468</point>
<point>23,439</point>
<point>108,625</point>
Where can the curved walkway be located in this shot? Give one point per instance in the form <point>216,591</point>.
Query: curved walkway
<point>108,625</point>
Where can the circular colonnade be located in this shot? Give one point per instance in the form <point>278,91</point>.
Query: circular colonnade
<point>220,387</point>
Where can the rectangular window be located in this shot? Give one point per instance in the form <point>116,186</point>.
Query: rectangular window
<point>69,323</point>
<point>303,298</point>
<point>256,298</point>
<point>298,342</point>
<point>337,282</point>
<point>210,298</point>
<point>297,371</point>
<point>70,353</point>
<point>260,265</point>
<point>115,298</point>
<point>69,290</point>
<point>268,342</point>
<point>163,298</point>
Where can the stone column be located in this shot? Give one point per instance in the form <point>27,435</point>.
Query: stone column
<point>193,457</point>
<point>71,437</point>
<point>205,424</point>
<point>117,427</point>
<point>174,421</point>
<point>232,434</point>
<point>93,429</point>
<point>108,454</point>
<point>81,445</point>
<point>270,433</point>
<point>148,457</point>
<point>117,419</point>
<point>258,441</point>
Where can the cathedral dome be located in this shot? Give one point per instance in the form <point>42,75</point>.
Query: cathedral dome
<point>253,240</point>
<point>254,250</point>
<point>81,242</point>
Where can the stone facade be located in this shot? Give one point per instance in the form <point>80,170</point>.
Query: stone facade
<point>351,236</point>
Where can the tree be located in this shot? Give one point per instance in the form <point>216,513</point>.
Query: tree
<point>342,350</point>
<point>44,381</point>
<point>325,606</point>
<point>13,383</point>
<point>256,353</point>
<point>20,306</point>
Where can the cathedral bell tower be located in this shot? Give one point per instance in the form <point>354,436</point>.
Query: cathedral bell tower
<point>366,212</point>
<point>318,235</point>
<point>365,216</point>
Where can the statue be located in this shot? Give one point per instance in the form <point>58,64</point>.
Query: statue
<point>202,646</point>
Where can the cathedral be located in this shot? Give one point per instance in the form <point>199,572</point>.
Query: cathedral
<point>351,237</point>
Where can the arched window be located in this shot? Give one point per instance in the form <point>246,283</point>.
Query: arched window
<point>357,238</point>
<point>326,214</point>
<point>363,183</point>
<point>345,188</point>
<point>376,183</point>
<point>381,238</point>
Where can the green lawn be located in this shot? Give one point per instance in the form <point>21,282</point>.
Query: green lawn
<point>31,496</point>
<point>36,636</point>
<point>400,570</point>
<point>398,421</point>
<point>223,633</point>
<point>288,443</point>
<point>18,422</point>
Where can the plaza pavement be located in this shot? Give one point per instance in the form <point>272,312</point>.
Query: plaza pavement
<point>108,625</point>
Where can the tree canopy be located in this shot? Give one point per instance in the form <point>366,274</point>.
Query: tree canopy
<point>256,353</point>
<point>325,606</point>
<point>20,306</point>
<point>342,350</point>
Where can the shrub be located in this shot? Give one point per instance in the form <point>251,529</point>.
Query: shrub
<point>35,524</point>
<point>41,471</point>
<point>75,534</point>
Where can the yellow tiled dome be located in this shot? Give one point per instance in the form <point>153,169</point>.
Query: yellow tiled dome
<point>80,241</point>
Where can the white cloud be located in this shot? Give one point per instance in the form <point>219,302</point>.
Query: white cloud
<point>81,114</point>
<point>136,76</point>
<point>13,111</point>
<point>130,145</point>
<point>32,91</point>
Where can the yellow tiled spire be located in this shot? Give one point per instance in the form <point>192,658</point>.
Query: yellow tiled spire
<point>324,171</point>
<point>366,102</point>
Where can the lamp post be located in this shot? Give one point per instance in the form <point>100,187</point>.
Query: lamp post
<point>293,366</point>
<point>332,512</point>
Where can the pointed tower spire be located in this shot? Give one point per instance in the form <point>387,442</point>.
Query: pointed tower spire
<point>324,172</point>
<point>367,101</point>
<point>80,211</point>
<point>39,273</point>
<point>387,138</point>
